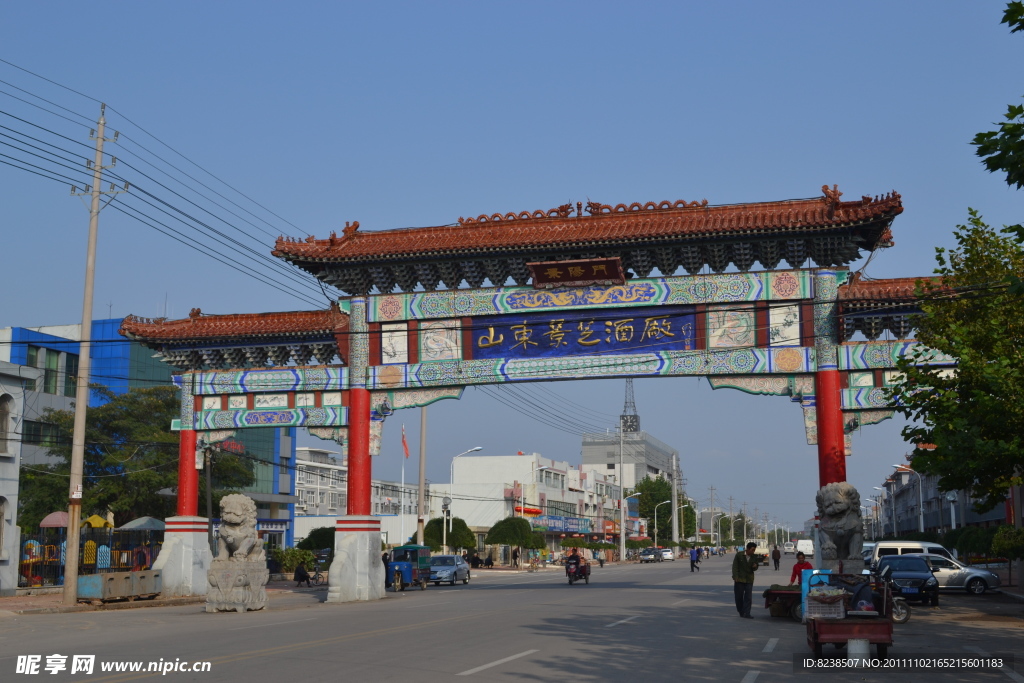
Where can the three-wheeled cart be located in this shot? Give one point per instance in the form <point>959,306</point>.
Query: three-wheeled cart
<point>582,573</point>
<point>834,623</point>
<point>409,566</point>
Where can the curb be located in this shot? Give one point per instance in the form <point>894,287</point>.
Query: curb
<point>137,604</point>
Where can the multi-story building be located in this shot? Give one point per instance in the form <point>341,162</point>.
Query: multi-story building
<point>642,456</point>
<point>14,395</point>
<point>321,483</point>
<point>560,500</point>
<point>905,493</point>
<point>48,358</point>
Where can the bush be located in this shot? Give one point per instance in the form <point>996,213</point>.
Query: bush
<point>290,558</point>
<point>319,538</point>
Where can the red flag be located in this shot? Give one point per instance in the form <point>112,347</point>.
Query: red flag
<point>405,444</point>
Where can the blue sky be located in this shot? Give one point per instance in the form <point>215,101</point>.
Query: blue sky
<point>408,114</point>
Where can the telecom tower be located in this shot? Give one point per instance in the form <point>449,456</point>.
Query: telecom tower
<point>629,420</point>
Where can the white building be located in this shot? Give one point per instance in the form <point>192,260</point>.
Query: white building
<point>558,498</point>
<point>321,485</point>
<point>15,381</point>
<point>642,456</point>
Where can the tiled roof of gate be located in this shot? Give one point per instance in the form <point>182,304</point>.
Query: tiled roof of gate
<point>892,289</point>
<point>607,224</point>
<point>198,326</point>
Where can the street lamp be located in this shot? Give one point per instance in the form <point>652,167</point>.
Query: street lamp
<point>622,522</point>
<point>451,485</point>
<point>684,505</point>
<point>722,517</point>
<point>920,496</point>
<point>656,520</point>
<point>893,500</point>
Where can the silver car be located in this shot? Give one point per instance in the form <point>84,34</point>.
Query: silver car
<point>953,575</point>
<point>449,569</point>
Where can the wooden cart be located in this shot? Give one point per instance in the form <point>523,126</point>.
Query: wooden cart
<point>784,603</point>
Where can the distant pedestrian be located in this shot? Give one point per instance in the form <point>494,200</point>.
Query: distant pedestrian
<point>776,557</point>
<point>515,558</point>
<point>387,574</point>
<point>694,560</point>
<point>743,567</point>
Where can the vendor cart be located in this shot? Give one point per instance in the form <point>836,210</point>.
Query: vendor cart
<point>862,612</point>
<point>784,601</point>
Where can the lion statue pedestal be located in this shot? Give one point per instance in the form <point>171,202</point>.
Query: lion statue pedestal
<point>238,575</point>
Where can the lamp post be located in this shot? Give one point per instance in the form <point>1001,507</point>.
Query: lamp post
<point>656,520</point>
<point>920,495</point>
<point>684,505</point>
<point>893,500</point>
<point>451,486</point>
<point>622,523</point>
<point>720,529</point>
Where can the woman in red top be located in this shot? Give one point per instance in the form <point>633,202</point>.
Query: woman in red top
<point>801,564</point>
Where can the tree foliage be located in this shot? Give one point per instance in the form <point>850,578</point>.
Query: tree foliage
<point>974,417</point>
<point>1008,542</point>
<point>130,455</point>
<point>654,491</point>
<point>460,536</point>
<point>514,531</point>
<point>319,538</point>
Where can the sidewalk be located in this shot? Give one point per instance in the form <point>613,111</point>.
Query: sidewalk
<point>52,604</point>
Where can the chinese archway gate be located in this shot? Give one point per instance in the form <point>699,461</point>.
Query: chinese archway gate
<point>583,305</point>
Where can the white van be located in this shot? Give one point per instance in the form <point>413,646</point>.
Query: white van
<point>883,548</point>
<point>805,547</point>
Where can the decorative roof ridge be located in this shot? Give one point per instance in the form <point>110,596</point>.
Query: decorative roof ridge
<point>859,288</point>
<point>233,324</point>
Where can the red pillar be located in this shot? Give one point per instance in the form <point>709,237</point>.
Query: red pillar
<point>831,440</point>
<point>359,452</point>
<point>188,475</point>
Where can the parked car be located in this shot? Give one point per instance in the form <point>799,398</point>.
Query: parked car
<point>650,555</point>
<point>668,554</point>
<point>788,548</point>
<point>954,576</point>
<point>884,548</point>
<point>448,568</point>
<point>911,578</point>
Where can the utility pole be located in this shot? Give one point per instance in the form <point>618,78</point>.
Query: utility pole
<point>70,595</point>
<point>421,503</point>
<point>732,521</point>
<point>675,500</point>
<point>622,495</point>
<point>744,522</point>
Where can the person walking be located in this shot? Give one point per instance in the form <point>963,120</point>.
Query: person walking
<point>776,557</point>
<point>515,558</point>
<point>387,566</point>
<point>743,567</point>
<point>694,559</point>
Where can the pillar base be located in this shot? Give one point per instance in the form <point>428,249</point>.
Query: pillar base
<point>357,573</point>
<point>185,557</point>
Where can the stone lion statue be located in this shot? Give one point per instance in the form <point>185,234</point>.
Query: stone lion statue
<point>237,539</point>
<point>840,522</point>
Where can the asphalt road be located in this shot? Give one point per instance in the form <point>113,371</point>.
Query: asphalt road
<point>656,622</point>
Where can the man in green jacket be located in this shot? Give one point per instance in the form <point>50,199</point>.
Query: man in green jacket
<point>743,567</point>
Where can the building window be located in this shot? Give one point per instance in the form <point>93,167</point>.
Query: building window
<point>70,373</point>
<point>610,466</point>
<point>6,413</point>
<point>50,372</point>
<point>39,433</point>
<point>323,497</point>
<point>334,501</point>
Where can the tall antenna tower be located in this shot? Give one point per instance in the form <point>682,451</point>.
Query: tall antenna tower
<point>629,419</point>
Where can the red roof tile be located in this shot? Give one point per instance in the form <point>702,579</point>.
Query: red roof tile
<point>892,289</point>
<point>209,327</point>
<point>558,228</point>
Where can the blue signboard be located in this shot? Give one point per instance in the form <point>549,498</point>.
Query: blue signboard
<point>572,525</point>
<point>564,333</point>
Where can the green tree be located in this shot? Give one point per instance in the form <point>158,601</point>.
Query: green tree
<point>513,531</point>
<point>460,536</point>
<point>654,491</point>
<point>974,417</point>
<point>319,538</point>
<point>130,455</point>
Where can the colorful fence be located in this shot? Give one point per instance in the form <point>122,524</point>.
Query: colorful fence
<point>42,555</point>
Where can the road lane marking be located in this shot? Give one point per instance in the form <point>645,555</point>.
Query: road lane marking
<point>622,621</point>
<point>770,647</point>
<point>679,602</point>
<point>496,663</point>
<point>1013,675</point>
<point>276,623</point>
<point>750,677</point>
